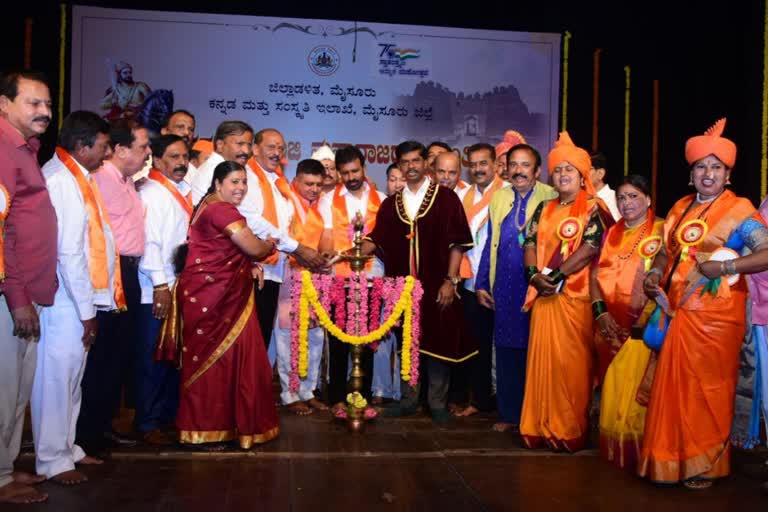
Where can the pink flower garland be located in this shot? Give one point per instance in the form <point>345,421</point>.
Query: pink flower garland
<point>293,382</point>
<point>339,299</point>
<point>376,295</point>
<point>363,319</point>
<point>384,294</point>
<point>416,294</point>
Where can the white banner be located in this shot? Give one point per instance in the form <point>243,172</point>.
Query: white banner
<point>369,84</point>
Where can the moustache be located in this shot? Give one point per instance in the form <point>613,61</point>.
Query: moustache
<point>242,155</point>
<point>180,169</point>
<point>42,118</point>
<point>518,175</point>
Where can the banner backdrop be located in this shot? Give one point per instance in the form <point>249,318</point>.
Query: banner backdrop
<point>341,82</point>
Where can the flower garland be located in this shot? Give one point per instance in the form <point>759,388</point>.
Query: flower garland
<point>400,304</point>
<point>339,299</point>
<point>416,295</point>
<point>376,295</point>
<point>293,381</point>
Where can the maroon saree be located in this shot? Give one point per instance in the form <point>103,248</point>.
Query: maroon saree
<point>226,380</point>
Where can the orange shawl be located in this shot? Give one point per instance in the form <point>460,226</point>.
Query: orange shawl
<point>270,210</point>
<point>341,238</point>
<point>97,242</point>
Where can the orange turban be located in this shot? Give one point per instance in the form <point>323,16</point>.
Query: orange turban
<point>511,138</point>
<point>711,143</point>
<point>203,145</point>
<point>566,150</point>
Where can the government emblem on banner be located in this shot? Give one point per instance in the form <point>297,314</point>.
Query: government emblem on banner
<point>324,60</point>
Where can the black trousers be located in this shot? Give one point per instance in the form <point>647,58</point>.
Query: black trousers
<point>266,308</point>
<point>110,360</point>
<point>478,368</point>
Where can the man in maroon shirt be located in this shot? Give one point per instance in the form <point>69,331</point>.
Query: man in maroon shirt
<point>29,250</point>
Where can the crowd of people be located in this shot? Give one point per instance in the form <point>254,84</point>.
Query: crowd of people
<point>545,302</point>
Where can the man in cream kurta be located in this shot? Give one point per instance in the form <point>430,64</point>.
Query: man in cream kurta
<point>69,326</point>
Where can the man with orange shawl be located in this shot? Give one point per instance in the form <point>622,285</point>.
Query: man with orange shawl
<point>562,238</point>
<point>687,432</point>
<point>306,228</point>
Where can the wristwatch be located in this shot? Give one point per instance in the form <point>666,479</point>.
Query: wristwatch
<point>455,280</point>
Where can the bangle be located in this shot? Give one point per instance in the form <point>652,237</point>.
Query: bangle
<point>729,267</point>
<point>160,287</point>
<point>557,276</point>
<point>599,309</point>
<point>598,317</point>
<point>530,271</point>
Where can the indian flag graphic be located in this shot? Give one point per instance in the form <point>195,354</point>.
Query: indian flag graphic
<point>407,53</point>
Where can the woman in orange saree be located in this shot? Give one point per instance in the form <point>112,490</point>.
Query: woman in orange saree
<point>687,432</point>
<point>562,238</point>
<point>226,379</point>
<point>618,303</point>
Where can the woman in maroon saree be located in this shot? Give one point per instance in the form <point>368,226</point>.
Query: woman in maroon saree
<point>226,379</point>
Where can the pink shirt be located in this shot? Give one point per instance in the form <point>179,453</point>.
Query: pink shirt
<point>124,207</point>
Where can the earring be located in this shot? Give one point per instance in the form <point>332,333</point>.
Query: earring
<point>690,183</point>
<point>728,181</point>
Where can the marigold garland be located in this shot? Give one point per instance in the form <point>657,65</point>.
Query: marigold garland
<point>403,307</point>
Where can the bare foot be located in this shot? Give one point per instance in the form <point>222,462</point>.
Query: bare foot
<point>90,461</point>
<point>467,411</point>
<point>22,477</point>
<point>454,408</point>
<point>316,404</point>
<point>698,484</point>
<point>71,477</point>
<point>502,426</point>
<point>21,494</point>
<point>299,408</point>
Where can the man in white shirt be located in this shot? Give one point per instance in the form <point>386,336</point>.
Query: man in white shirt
<point>597,174</point>
<point>307,228</point>
<point>353,196</point>
<point>86,269</point>
<point>482,169</point>
<point>182,123</point>
<point>167,212</point>
<point>267,210</point>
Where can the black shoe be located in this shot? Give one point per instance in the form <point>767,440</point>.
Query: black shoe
<point>119,440</point>
<point>764,488</point>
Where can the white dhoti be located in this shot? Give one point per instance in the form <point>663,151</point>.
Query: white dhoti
<point>282,336</point>
<point>56,391</point>
<point>308,385</point>
<point>17,369</point>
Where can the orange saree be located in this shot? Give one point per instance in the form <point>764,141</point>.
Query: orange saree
<point>691,407</point>
<point>620,273</point>
<point>559,378</point>
<point>226,379</point>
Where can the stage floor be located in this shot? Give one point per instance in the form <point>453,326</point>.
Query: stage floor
<point>398,464</point>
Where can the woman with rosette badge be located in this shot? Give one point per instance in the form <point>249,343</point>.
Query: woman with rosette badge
<point>619,307</point>
<point>562,238</point>
<point>697,275</point>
